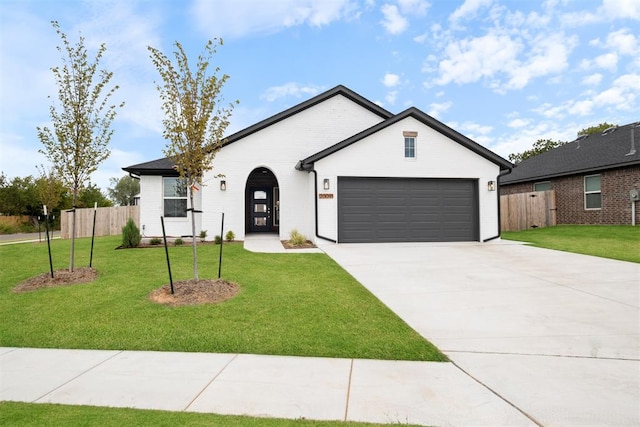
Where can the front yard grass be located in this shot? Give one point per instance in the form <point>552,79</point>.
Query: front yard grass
<point>41,414</point>
<point>621,242</point>
<point>289,304</point>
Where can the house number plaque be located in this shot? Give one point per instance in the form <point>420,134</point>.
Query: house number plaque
<point>325,196</point>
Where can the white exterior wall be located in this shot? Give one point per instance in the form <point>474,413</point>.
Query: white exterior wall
<point>382,155</point>
<point>152,208</point>
<point>278,148</point>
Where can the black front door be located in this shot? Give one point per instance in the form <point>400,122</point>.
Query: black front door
<point>260,206</point>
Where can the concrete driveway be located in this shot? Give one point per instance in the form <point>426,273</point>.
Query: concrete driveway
<point>555,334</point>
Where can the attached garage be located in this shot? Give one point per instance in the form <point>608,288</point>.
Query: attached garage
<point>407,210</point>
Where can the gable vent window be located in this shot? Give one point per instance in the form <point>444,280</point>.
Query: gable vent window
<point>175,197</point>
<point>410,144</point>
<point>592,194</point>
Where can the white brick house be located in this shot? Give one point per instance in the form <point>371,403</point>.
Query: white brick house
<point>336,167</point>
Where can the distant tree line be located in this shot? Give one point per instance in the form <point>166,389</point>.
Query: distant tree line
<point>27,195</point>
<point>542,145</point>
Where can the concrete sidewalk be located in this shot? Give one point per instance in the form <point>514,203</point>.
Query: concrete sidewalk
<point>394,392</point>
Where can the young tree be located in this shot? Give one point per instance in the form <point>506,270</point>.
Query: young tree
<point>195,119</point>
<point>124,190</point>
<point>50,189</point>
<point>81,121</point>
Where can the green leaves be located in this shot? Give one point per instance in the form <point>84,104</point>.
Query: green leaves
<point>195,121</point>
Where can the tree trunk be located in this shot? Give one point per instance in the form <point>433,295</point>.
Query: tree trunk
<point>194,243</point>
<point>73,230</point>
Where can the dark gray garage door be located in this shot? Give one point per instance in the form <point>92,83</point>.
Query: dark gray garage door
<point>407,210</point>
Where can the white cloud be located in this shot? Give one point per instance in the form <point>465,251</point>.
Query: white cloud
<point>238,18</point>
<point>608,61</point>
<point>394,23</point>
<point>475,128</point>
<point>518,123</point>
<point>626,9</point>
<point>391,80</point>
<point>391,97</point>
<point>436,109</point>
<point>469,60</point>
<point>623,42</point>
<point>414,7</point>
<point>289,89</point>
<point>468,9</point>
<point>592,80</point>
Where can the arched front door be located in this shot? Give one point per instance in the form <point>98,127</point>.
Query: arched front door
<point>262,202</point>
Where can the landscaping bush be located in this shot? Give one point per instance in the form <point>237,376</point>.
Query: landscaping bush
<point>230,236</point>
<point>155,241</point>
<point>130,235</point>
<point>297,239</point>
<point>203,235</point>
<point>178,242</point>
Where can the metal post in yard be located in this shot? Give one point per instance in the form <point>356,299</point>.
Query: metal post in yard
<point>221,242</point>
<point>166,250</point>
<point>93,232</point>
<point>46,224</point>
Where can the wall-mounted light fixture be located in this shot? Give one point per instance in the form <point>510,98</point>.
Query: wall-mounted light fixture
<point>325,184</point>
<point>223,185</point>
<point>491,186</point>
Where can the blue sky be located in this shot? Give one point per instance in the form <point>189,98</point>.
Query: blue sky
<point>504,73</point>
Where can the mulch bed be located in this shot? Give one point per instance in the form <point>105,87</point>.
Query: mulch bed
<point>190,292</point>
<point>78,276</point>
<point>306,245</point>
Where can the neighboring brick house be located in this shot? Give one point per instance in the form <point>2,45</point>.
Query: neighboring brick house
<point>592,177</point>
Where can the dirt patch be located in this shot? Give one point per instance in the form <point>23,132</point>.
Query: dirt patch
<point>78,276</point>
<point>190,292</point>
<point>306,245</point>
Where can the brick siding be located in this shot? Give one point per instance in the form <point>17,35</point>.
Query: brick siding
<point>614,186</point>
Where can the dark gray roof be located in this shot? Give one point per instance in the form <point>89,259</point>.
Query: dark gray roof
<point>422,117</point>
<point>592,153</point>
<point>164,166</point>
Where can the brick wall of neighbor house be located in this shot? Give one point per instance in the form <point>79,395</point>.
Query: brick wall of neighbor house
<point>614,185</point>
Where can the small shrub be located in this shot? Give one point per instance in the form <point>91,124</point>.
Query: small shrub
<point>130,235</point>
<point>297,239</point>
<point>178,242</point>
<point>155,241</point>
<point>217,239</point>
<point>230,236</point>
<point>203,235</point>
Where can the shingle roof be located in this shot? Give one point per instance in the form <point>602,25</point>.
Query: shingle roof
<point>601,151</point>
<point>422,117</point>
<point>164,166</point>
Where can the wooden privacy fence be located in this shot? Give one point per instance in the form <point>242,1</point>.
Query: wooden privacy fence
<point>109,221</point>
<point>524,211</point>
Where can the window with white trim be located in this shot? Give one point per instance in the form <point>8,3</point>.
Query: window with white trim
<point>175,197</point>
<point>592,194</point>
<point>410,144</point>
<point>542,186</point>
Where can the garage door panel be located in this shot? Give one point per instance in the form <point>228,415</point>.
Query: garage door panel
<point>407,210</point>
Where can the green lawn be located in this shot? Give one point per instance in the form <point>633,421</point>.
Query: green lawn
<point>289,304</point>
<point>36,414</point>
<point>621,242</point>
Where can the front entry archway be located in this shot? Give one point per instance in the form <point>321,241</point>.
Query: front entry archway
<point>262,202</point>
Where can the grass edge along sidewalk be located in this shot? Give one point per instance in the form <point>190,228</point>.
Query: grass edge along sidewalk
<point>289,304</point>
<point>620,242</point>
<point>46,414</point>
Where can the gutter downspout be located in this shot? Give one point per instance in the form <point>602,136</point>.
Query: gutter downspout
<point>501,174</point>
<point>309,168</point>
